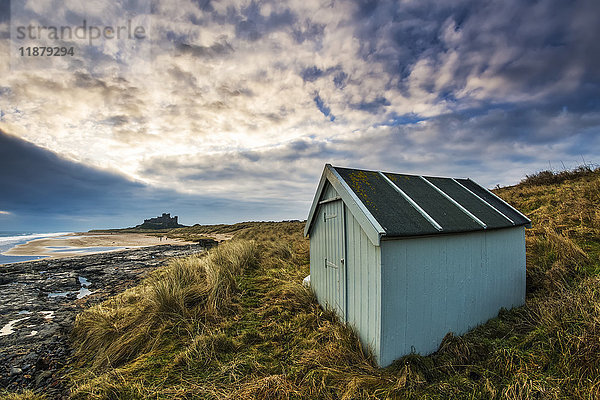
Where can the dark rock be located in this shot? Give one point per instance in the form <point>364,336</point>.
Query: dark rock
<point>40,299</point>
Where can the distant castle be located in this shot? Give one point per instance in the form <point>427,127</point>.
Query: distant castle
<point>163,222</point>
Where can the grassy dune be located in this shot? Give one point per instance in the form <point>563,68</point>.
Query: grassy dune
<point>237,323</point>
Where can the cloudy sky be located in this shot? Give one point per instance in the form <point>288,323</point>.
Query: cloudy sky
<point>228,110</point>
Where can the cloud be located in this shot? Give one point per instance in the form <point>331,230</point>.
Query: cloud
<point>44,190</point>
<point>249,99</point>
<point>44,183</point>
<point>4,11</point>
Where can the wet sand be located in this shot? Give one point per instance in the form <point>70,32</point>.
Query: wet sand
<point>75,244</point>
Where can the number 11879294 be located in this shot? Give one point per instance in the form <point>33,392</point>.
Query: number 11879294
<point>46,51</point>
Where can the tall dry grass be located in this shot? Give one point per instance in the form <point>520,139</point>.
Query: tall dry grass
<point>549,177</point>
<point>553,261</point>
<point>22,395</point>
<point>177,299</point>
<point>269,339</point>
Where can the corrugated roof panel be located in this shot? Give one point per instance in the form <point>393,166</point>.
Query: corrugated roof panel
<point>450,217</point>
<point>395,214</point>
<point>396,205</point>
<point>471,202</point>
<point>505,209</point>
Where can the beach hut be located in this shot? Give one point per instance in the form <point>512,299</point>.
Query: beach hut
<point>405,259</point>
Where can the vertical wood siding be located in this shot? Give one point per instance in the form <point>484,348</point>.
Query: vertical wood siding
<point>364,285</point>
<point>354,289</point>
<point>318,248</point>
<point>447,283</point>
<point>327,254</point>
<point>334,257</point>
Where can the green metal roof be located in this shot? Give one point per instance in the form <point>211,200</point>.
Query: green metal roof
<point>411,205</point>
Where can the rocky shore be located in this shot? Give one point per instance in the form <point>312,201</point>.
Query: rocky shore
<point>39,301</point>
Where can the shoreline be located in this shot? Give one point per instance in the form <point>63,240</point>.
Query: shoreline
<point>42,298</point>
<point>86,243</point>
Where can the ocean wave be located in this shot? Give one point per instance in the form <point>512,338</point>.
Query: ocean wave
<point>5,240</point>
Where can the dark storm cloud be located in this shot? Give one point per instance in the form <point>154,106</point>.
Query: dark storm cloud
<point>546,39</point>
<point>40,181</point>
<point>495,146</point>
<point>503,126</point>
<point>247,167</point>
<point>313,151</point>
<point>43,191</point>
<point>524,72</point>
<point>398,35</point>
<point>530,45</point>
<point>4,11</point>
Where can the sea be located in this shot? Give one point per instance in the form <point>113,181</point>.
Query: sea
<point>9,239</point>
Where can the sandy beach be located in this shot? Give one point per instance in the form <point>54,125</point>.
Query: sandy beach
<point>87,243</point>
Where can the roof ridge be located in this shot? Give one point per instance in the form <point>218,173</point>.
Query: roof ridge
<point>396,173</point>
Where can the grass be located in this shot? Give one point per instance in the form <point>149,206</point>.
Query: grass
<point>548,177</point>
<point>173,301</point>
<point>22,395</point>
<point>237,322</point>
<point>265,229</point>
<point>565,215</point>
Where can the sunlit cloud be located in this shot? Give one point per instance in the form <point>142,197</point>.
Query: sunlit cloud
<point>248,100</point>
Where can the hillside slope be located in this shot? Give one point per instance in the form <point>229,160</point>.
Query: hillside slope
<point>237,323</point>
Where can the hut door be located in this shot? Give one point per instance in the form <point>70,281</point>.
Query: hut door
<point>335,255</point>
